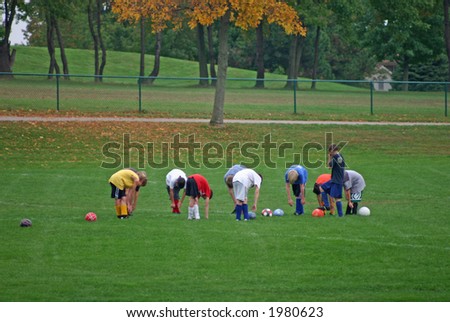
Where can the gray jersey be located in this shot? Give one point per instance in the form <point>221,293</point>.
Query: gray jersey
<point>353,181</point>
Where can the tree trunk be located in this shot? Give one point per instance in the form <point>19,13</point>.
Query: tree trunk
<point>405,74</point>
<point>259,56</point>
<point>219,98</point>
<point>142,61</point>
<point>202,62</point>
<point>51,49</point>
<point>100,38</point>
<point>212,59</point>
<point>6,56</point>
<point>62,50</point>
<point>94,38</point>
<point>316,58</point>
<point>295,57</point>
<point>447,35</point>
<point>157,64</point>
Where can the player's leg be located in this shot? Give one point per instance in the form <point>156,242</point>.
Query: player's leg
<point>239,194</point>
<point>336,194</point>
<point>325,191</point>
<point>298,201</point>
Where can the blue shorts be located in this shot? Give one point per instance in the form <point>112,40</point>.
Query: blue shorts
<point>333,189</point>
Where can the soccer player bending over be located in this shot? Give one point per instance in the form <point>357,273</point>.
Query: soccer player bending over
<point>125,185</point>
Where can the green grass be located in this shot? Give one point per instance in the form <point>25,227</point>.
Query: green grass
<point>177,94</point>
<point>51,174</point>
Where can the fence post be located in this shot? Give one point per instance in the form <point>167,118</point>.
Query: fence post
<point>295,96</point>
<point>57,92</point>
<point>140,94</point>
<point>446,100</point>
<point>371,97</point>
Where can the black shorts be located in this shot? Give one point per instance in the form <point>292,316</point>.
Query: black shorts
<point>192,188</point>
<point>316,189</point>
<point>296,190</point>
<point>116,193</point>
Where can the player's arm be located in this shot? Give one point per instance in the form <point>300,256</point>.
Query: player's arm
<point>348,197</point>
<point>182,198</point>
<point>207,207</point>
<point>231,193</point>
<point>255,203</point>
<point>288,192</point>
<point>133,191</point>
<point>172,200</point>
<point>302,193</point>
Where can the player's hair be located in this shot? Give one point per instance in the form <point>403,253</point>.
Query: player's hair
<point>229,181</point>
<point>180,182</point>
<point>142,178</point>
<point>292,176</point>
<point>333,147</point>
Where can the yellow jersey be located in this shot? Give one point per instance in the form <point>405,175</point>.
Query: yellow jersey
<point>124,179</point>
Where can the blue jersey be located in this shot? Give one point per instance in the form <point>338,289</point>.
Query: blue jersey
<point>337,164</point>
<point>302,174</point>
<point>233,170</point>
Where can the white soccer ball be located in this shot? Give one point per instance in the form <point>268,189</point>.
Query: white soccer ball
<point>266,212</point>
<point>364,211</point>
<point>278,212</point>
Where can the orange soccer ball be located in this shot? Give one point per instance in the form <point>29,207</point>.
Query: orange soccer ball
<point>318,213</point>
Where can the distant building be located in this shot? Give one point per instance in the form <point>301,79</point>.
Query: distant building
<point>382,76</point>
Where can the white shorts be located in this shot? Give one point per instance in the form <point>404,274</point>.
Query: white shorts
<point>240,191</point>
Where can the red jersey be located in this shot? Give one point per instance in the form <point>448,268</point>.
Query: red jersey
<point>202,185</point>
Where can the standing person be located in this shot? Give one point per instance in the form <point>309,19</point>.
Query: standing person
<point>228,178</point>
<point>334,187</point>
<point>242,182</point>
<point>296,176</point>
<point>175,181</point>
<point>354,185</point>
<point>320,181</point>
<point>197,186</point>
<point>125,185</point>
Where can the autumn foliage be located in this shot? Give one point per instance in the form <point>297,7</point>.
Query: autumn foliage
<point>246,14</point>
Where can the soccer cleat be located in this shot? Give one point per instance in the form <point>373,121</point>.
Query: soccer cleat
<point>234,211</point>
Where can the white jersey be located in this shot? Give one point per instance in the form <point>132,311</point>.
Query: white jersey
<point>172,177</point>
<point>353,181</point>
<point>248,177</point>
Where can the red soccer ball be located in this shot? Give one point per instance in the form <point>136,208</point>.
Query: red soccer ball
<point>90,216</point>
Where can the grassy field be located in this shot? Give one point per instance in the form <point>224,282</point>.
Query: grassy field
<point>177,94</point>
<point>52,174</point>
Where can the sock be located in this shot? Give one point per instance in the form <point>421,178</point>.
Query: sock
<point>298,206</point>
<point>238,212</point>
<point>325,200</point>
<point>348,211</point>
<point>175,209</point>
<point>196,212</point>
<point>123,210</point>
<point>245,211</point>
<point>190,212</point>
<point>339,208</point>
<point>118,210</point>
<point>355,208</point>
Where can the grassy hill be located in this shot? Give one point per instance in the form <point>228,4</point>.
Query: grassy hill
<point>81,62</point>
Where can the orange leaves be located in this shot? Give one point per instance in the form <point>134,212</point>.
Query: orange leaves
<point>160,12</point>
<point>205,12</point>
<point>246,14</point>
